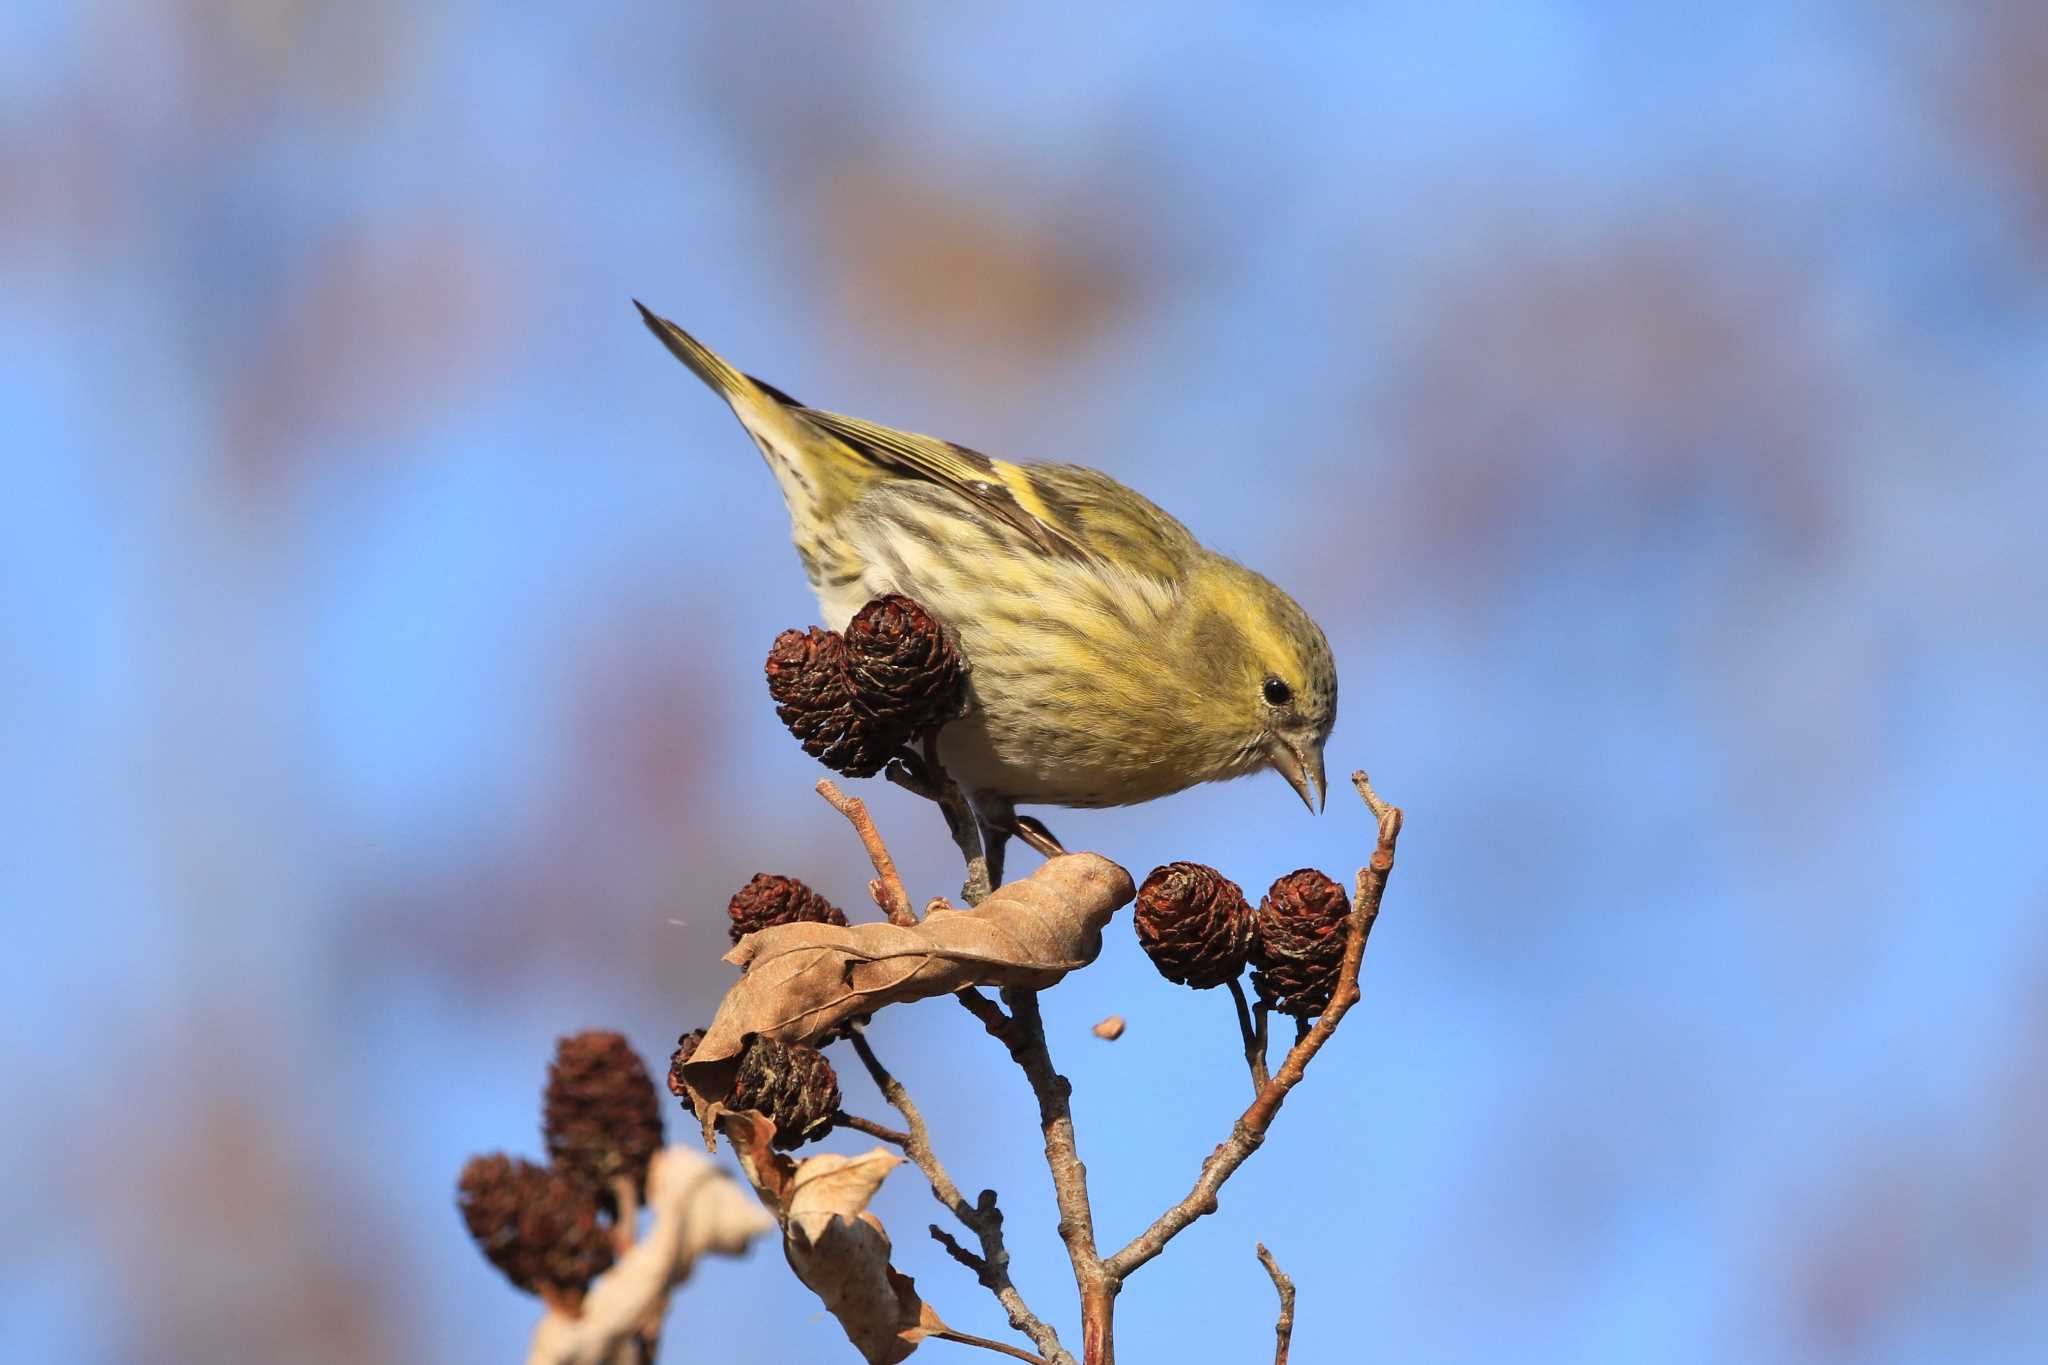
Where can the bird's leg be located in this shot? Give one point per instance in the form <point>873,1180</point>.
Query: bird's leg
<point>995,837</point>
<point>922,773</point>
<point>1000,823</point>
<point>998,818</point>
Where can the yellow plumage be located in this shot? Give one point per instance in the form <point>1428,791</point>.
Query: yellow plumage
<point>1112,658</point>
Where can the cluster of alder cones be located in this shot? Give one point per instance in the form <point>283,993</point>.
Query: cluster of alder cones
<point>1198,929</point>
<point>551,1229</point>
<point>791,1083</point>
<point>853,699</point>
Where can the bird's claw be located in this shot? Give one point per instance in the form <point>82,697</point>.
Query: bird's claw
<point>1034,833</point>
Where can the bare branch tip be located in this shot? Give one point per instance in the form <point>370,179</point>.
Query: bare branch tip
<point>959,1253</point>
<point>887,890</point>
<point>1283,1329</point>
<point>1373,800</point>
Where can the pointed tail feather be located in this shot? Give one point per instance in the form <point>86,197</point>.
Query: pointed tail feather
<point>772,416</point>
<point>818,473</point>
<point>704,362</point>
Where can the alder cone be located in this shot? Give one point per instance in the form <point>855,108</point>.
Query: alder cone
<point>1303,925</point>
<point>814,697</point>
<point>904,668</point>
<point>769,900</point>
<point>599,1113</point>
<point>538,1226</point>
<point>1195,925</point>
<point>686,1048</point>
<point>790,1083</point>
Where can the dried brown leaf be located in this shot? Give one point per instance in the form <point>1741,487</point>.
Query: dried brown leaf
<point>803,980</point>
<point>836,1247</point>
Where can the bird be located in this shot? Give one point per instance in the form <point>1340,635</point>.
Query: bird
<point>1112,658</point>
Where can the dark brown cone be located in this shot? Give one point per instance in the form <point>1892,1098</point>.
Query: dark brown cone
<point>769,900</point>
<point>686,1047</point>
<point>814,697</point>
<point>1299,951</point>
<point>536,1225</point>
<point>1194,923</point>
<point>904,668</point>
<point>600,1114</point>
<point>792,1084</point>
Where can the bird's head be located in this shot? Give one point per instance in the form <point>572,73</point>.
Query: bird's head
<point>1266,676</point>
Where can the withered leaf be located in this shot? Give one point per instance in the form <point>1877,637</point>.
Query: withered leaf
<point>836,1247</point>
<point>803,980</point>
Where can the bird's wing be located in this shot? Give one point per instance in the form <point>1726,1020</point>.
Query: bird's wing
<point>998,488</point>
<point>1116,523</point>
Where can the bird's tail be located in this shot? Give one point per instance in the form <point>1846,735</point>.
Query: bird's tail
<point>770,416</point>
<point>818,473</point>
<point>704,362</point>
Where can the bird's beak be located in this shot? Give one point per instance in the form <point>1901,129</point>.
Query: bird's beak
<point>1301,766</point>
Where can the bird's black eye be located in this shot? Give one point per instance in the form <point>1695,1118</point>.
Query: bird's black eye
<point>1278,693</point>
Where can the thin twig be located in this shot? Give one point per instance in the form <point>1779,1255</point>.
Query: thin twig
<point>1254,1037</point>
<point>967,1339</point>
<point>1283,1330</point>
<point>881,1132</point>
<point>988,1011</point>
<point>984,1219</point>
<point>1250,1129</point>
<point>958,1252</point>
<point>888,889</point>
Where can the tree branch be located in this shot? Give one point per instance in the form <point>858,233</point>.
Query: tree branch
<point>1283,1330</point>
<point>1026,1042</point>
<point>1250,1129</point>
<point>983,1218</point>
<point>887,888</point>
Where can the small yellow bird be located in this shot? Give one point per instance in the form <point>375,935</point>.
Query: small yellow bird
<point>1112,659</point>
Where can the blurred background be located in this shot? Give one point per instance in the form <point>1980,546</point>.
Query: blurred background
<point>1651,405</point>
